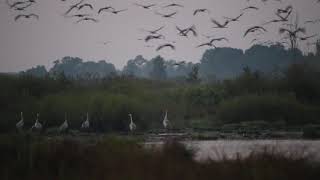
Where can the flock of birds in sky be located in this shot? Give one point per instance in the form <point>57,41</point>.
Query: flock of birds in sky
<point>282,16</point>
<point>37,126</point>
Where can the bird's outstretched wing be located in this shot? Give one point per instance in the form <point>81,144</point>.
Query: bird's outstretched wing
<point>34,15</point>
<point>86,5</point>
<point>18,17</point>
<point>166,45</point>
<point>252,29</point>
<point>105,8</point>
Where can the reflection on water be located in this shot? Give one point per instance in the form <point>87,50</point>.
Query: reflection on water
<point>231,148</point>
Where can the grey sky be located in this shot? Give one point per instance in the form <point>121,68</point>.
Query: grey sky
<point>28,43</point>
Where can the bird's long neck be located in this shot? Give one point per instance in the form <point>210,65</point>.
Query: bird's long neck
<point>131,120</point>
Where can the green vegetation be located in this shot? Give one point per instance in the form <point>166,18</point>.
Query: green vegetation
<point>292,98</point>
<point>31,157</point>
<point>274,85</point>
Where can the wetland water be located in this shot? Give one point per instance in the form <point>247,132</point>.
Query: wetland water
<point>217,149</point>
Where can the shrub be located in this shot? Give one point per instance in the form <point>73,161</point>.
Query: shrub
<point>266,107</point>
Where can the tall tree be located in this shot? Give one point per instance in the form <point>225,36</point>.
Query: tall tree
<point>159,69</point>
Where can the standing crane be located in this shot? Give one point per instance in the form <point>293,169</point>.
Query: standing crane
<point>37,125</point>
<point>64,126</point>
<point>165,122</point>
<point>132,125</point>
<point>20,124</point>
<point>86,123</point>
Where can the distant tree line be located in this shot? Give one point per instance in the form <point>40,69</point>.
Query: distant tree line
<point>215,64</point>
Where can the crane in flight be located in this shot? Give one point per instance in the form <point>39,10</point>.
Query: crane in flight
<point>254,29</point>
<point>74,6</point>
<point>26,16</point>
<point>203,10</point>
<point>154,31</point>
<point>87,19</point>
<point>170,15</point>
<point>105,9</point>
<point>145,6</point>
<point>173,5</point>
<point>220,25</point>
<point>166,45</point>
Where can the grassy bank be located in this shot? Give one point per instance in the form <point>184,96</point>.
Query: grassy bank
<point>31,157</point>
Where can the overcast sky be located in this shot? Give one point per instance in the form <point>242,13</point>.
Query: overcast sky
<point>27,43</point>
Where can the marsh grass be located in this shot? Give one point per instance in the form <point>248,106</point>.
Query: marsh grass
<point>33,157</point>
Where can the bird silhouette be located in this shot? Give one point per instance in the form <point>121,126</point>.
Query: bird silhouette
<point>85,5</point>
<point>210,43</point>
<point>234,19</point>
<point>193,30</point>
<point>219,25</point>
<point>166,15</point>
<point>285,10</point>
<point>173,5</point>
<point>206,44</point>
<point>165,122</point>
<point>74,6</point>
<point>312,21</point>
<point>292,33</point>
<point>113,11</point>
<point>195,12</point>
<point>26,16</point>
<point>16,4</point>
<point>166,45</point>
<point>21,5</point>
<point>220,39</point>
<point>149,37</point>
<point>106,42</point>
<point>145,6</point>
<point>64,126</point>
<point>307,37</point>
<point>22,8</point>
<point>80,15</point>
<point>37,125</point>
<point>105,9</point>
<point>20,124</point>
<point>87,19</point>
<point>254,29</point>
<point>282,19</point>
<point>86,123</point>
<point>184,32</point>
<point>132,125</point>
<point>154,31</point>
<point>250,7</point>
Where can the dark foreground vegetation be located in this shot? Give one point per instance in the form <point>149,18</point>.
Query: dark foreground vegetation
<point>38,158</point>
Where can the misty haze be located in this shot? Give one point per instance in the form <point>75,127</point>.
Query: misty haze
<point>170,89</point>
